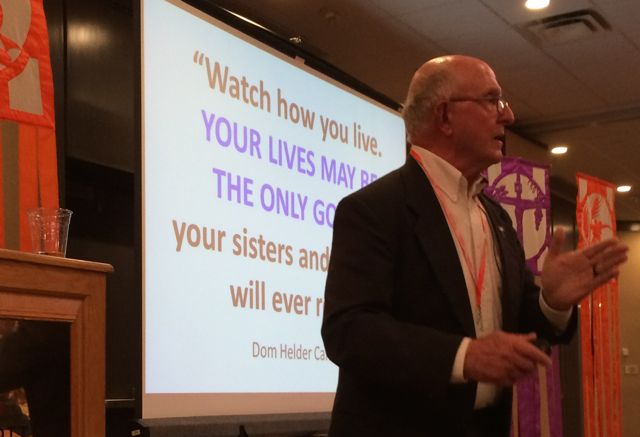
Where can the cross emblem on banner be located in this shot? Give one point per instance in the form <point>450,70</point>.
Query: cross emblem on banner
<point>26,87</point>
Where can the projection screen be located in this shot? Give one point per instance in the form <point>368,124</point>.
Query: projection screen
<point>245,154</point>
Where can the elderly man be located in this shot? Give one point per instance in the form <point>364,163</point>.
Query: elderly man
<point>431,313</point>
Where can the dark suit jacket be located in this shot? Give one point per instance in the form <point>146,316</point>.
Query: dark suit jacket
<point>397,308</point>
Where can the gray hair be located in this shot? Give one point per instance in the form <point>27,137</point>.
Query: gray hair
<point>425,92</point>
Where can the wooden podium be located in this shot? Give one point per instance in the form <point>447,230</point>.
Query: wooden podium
<point>40,287</point>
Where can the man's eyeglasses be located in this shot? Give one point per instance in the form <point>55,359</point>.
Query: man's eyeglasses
<point>499,102</point>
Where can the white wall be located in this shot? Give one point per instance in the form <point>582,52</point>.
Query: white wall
<point>629,295</point>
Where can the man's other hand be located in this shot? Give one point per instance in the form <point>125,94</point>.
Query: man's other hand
<point>569,276</point>
<point>502,358</point>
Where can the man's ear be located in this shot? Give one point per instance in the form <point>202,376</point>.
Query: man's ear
<point>442,118</point>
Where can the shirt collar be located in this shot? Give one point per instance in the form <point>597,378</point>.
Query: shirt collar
<point>450,180</point>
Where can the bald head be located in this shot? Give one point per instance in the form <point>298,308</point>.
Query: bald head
<point>436,81</point>
<point>455,109</point>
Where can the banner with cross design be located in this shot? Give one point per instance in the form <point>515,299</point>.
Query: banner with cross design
<point>522,188</point>
<point>599,322</point>
<point>26,84</point>
<point>28,160</point>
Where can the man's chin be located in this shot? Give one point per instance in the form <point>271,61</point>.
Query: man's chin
<point>497,157</point>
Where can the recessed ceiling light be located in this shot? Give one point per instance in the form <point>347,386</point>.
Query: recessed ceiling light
<point>559,150</point>
<point>635,227</point>
<point>623,188</point>
<point>536,4</point>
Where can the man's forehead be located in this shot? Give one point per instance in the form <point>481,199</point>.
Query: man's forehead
<point>478,77</point>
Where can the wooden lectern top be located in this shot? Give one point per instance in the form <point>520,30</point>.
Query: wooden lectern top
<point>28,257</point>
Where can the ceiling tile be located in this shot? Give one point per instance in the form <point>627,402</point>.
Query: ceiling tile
<point>608,64</point>
<point>521,108</point>
<point>622,15</point>
<point>546,86</point>
<point>634,37</point>
<point>497,48</point>
<point>461,19</point>
<point>400,7</point>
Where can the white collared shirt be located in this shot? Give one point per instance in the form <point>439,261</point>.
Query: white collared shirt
<point>461,206</point>
<point>470,231</point>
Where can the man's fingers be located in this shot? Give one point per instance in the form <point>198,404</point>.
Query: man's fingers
<point>523,365</point>
<point>610,264</point>
<point>531,352</point>
<point>557,242</point>
<point>503,358</point>
<point>606,266</point>
<point>603,278</point>
<point>595,250</point>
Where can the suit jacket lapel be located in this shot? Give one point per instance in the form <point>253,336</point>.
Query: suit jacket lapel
<point>433,232</point>
<point>501,246</point>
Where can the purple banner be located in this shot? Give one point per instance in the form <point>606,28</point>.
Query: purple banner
<point>522,188</point>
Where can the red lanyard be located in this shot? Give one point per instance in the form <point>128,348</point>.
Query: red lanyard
<point>478,277</point>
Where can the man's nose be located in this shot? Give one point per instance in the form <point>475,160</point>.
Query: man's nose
<point>507,117</point>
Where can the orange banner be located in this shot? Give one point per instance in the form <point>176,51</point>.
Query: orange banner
<point>26,83</point>
<point>2,240</point>
<point>47,167</point>
<point>599,322</point>
<point>28,179</point>
<point>28,161</point>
